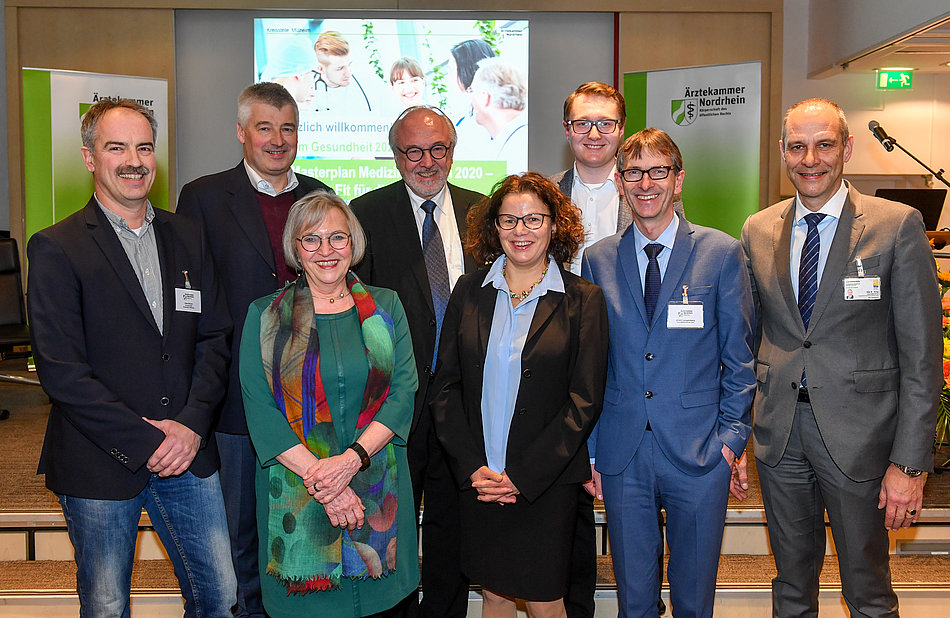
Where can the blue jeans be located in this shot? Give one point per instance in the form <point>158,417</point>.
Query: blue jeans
<point>238,467</point>
<point>187,512</point>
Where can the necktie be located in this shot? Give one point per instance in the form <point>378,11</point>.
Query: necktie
<point>808,269</point>
<point>808,273</point>
<point>436,269</point>
<point>651,283</point>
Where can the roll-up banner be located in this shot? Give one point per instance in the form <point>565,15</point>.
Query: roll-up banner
<point>713,113</point>
<point>57,182</point>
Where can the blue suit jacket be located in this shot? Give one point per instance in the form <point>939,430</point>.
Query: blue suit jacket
<point>694,386</point>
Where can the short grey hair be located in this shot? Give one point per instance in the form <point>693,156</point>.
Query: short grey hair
<point>309,212</point>
<point>816,103</point>
<point>268,93</point>
<point>503,81</point>
<point>90,121</point>
<point>394,129</point>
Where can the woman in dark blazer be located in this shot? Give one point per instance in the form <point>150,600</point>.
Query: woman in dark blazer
<point>519,385</point>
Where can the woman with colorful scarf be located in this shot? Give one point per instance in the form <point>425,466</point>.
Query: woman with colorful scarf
<point>328,379</point>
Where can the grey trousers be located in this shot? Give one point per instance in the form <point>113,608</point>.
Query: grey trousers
<point>797,492</point>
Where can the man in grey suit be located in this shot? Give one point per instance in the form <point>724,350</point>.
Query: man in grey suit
<point>847,387</point>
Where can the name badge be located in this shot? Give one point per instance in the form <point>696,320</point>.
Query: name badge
<point>188,300</point>
<point>862,288</point>
<point>684,315</point>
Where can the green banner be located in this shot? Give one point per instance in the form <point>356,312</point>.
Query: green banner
<point>351,178</point>
<point>713,113</point>
<point>54,102</point>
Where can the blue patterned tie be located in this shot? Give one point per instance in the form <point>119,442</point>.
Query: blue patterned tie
<point>808,272</point>
<point>651,283</point>
<point>436,269</point>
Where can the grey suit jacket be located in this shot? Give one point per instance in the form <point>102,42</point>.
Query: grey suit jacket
<point>565,182</point>
<point>874,367</point>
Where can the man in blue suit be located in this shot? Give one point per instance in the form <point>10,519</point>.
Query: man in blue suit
<point>680,383</point>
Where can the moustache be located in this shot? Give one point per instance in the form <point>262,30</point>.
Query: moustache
<point>131,169</point>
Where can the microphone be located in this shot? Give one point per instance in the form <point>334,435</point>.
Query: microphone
<point>886,140</point>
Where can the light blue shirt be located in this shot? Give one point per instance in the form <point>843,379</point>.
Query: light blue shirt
<point>502,377</point>
<point>666,239</point>
<point>826,232</point>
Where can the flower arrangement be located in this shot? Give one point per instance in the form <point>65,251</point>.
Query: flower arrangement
<point>943,412</point>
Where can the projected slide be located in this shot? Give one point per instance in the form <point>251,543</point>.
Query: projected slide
<point>352,77</point>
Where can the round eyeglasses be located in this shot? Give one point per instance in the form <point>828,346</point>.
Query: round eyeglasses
<point>532,221</point>
<point>635,174</point>
<point>336,240</point>
<point>415,153</point>
<point>583,126</point>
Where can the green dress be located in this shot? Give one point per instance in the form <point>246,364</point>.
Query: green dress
<point>344,382</point>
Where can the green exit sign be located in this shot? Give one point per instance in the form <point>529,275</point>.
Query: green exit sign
<point>895,80</point>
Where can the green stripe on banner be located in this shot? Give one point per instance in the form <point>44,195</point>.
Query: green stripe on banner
<point>635,96</point>
<point>37,151</point>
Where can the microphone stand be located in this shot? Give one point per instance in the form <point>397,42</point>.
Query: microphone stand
<point>938,175</point>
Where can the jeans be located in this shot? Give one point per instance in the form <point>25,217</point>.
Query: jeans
<point>187,513</point>
<point>238,467</point>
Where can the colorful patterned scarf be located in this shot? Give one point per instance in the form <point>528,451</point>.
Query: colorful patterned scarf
<point>307,554</point>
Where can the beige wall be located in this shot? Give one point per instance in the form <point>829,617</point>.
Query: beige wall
<point>116,39</point>
<point>95,40</point>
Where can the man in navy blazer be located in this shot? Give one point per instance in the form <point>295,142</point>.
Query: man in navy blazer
<point>680,383</point>
<point>130,335</point>
<point>243,211</point>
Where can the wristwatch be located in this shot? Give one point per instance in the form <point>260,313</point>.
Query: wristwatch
<point>911,472</point>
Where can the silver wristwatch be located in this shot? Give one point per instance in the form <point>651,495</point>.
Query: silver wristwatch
<point>911,472</point>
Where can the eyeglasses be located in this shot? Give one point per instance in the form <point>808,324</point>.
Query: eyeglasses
<point>532,221</point>
<point>583,126</point>
<point>415,153</point>
<point>336,240</point>
<point>659,172</point>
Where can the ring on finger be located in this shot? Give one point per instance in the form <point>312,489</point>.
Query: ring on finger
<point>912,512</point>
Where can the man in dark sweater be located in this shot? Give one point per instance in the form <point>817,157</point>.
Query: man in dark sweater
<point>243,211</point>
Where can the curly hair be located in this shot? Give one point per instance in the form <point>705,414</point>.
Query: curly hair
<point>567,234</point>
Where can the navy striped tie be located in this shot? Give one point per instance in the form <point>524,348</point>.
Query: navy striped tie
<point>651,282</point>
<point>808,269</point>
<point>808,273</point>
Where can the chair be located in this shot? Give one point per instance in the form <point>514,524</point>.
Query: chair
<point>14,332</point>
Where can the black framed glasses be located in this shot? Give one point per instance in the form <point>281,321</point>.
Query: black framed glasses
<point>336,240</point>
<point>532,221</point>
<point>415,153</point>
<point>635,174</point>
<point>604,125</point>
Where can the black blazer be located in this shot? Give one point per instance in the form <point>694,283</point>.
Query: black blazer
<point>563,373</point>
<point>103,362</point>
<point>226,206</point>
<point>394,260</point>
